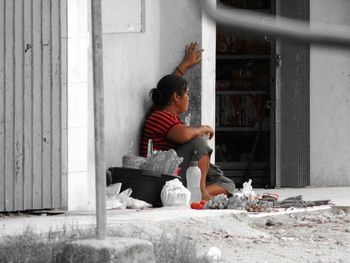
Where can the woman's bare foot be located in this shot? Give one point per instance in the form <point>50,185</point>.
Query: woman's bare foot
<point>206,196</point>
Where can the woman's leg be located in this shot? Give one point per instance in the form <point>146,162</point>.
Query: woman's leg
<point>214,189</point>
<point>211,190</point>
<point>198,150</point>
<point>203,164</point>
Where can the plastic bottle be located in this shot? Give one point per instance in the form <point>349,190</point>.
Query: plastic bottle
<point>149,148</point>
<point>193,177</point>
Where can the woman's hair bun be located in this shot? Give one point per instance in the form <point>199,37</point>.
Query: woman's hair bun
<point>156,96</point>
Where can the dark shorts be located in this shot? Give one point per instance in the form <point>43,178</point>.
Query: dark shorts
<point>193,151</point>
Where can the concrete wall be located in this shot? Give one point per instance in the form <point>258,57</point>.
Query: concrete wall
<point>79,197</point>
<point>131,69</point>
<point>329,105</point>
<point>182,22</point>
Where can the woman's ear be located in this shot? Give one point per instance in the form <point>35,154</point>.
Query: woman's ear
<point>176,98</point>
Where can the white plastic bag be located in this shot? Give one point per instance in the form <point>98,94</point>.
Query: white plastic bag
<point>213,255</point>
<point>118,201</point>
<point>248,188</point>
<point>175,194</point>
<point>113,190</point>
<point>137,204</point>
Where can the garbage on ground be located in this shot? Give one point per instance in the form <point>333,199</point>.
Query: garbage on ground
<point>113,190</point>
<point>199,205</point>
<point>213,255</point>
<point>116,200</point>
<point>298,202</point>
<point>134,203</point>
<point>247,188</point>
<point>174,193</point>
<point>251,202</point>
<point>145,185</point>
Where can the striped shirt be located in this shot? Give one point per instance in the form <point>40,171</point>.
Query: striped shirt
<point>157,127</point>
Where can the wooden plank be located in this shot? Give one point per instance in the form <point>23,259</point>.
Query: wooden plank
<point>63,105</point>
<point>37,108</point>
<point>46,102</point>
<point>28,118</point>
<point>9,103</point>
<point>2,105</point>
<point>55,105</point>
<point>18,100</point>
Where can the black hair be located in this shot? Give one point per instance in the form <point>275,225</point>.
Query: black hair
<point>166,87</point>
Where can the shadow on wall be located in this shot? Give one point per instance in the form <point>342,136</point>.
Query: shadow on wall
<point>146,105</point>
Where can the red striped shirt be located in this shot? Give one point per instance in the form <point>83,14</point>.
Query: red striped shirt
<point>156,128</point>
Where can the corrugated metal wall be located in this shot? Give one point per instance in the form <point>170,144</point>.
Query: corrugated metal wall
<point>33,104</point>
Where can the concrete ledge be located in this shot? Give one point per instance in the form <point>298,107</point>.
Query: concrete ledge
<point>116,250</point>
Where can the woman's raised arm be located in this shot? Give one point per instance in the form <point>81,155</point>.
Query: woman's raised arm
<point>193,56</point>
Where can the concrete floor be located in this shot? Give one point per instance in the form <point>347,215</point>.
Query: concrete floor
<point>17,224</point>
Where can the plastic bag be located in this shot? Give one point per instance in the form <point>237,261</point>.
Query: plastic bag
<point>248,189</point>
<point>113,190</point>
<point>130,160</point>
<point>136,203</point>
<point>213,255</point>
<point>116,200</point>
<point>163,162</point>
<point>175,194</point>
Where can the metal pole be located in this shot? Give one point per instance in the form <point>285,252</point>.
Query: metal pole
<point>100,169</point>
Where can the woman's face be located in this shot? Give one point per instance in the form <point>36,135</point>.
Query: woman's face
<point>184,101</point>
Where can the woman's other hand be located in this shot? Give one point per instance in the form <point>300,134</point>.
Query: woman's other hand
<point>208,131</point>
<point>193,55</point>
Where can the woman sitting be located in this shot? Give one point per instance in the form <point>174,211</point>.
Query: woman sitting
<point>164,127</point>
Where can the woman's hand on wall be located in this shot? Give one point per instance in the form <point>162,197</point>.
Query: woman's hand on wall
<point>193,55</point>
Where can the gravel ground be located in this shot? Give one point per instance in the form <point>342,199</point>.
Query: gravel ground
<point>319,236</point>
<point>312,237</point>
<point>297,238</point>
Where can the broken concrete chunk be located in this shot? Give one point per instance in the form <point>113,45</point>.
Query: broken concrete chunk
<point>113,250</point>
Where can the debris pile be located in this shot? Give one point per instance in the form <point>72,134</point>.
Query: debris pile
<point>297,201</point>
<point>251,202</point>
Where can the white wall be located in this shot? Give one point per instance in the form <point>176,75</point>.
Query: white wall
<point>131,69</point>
<point>329,105</point>
<point>78,63</point>
<point>182,22</point>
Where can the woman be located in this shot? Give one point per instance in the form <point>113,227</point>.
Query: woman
<point>164,127</point>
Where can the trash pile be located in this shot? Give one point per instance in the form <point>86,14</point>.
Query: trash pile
<point>251,202</point>
<point>122,200</point>
<point>166,162</point>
